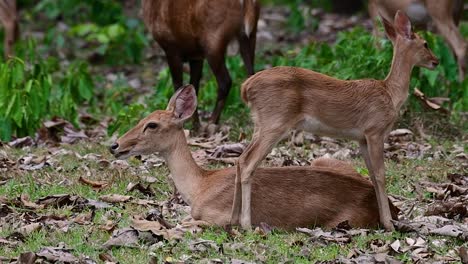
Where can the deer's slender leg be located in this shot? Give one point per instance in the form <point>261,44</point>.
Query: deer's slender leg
<point>248,163</point>
<point>9,19</point>
<point>218,66</point>
<point>375,144</point>
<point>442,16</point>
<point>247,46</point>
<point>374,15</point>
<point>196,69</point>
<point>176,67</point>
<point>365,153</point>
<point>237,201</point>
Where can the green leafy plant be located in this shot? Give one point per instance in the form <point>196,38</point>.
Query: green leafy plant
<point>32,91</point>
<point>110,36</point>
<point>72,90</point>
<point>127,118</point>
<point>102,12</point>
<point>24,97</point>
<point>119,43</point>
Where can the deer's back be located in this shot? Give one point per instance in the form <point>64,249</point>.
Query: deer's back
<point>292,197</point>
<point>192,24</point>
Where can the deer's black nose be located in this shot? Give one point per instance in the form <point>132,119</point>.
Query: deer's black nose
<point>113,147</point>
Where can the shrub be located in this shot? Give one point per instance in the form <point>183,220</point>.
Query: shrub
<point>31,92</point>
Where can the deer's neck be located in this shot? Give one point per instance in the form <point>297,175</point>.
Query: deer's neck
<point>186,174</point>
<point>398,79</point>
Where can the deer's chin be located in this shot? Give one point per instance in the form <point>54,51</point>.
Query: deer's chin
<point>124,155</point>
<point>430,66</point>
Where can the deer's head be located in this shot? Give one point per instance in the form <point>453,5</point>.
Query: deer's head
<point>158,132</point>
<point>410,44</point>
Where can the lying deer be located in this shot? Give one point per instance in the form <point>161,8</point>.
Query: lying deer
<point>284,98</point>
<point>192,30</point>
<point>9,19</point>
<point>444,14</point>
<point>325,194</point>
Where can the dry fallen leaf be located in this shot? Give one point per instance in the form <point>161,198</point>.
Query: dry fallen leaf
<point>202,245</point>
<point>115,198</point>
<point>127,237</point>
<point>141,224</point>
<point>72,136</point>
<point>28,229</point>
<point>139,187</point>
<point>452,231</point>
<point>107,258</point>
<point>84,218</point>
<point>57,254</point>
<point>96,185</point>
<point>334,236</point>
<point>109,226</point>
<point>434,104</point>
<point>396,246</point>
<point>21,142</point>
<point>5,242</point>
<point>449,209</point>
<point>228,150</point>
<point>28,204</point>
<point>27,258</point>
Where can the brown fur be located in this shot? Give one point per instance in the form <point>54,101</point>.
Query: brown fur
<point>444,14</point>
<point>9,19</point>
<point>284,98</point>
<point>292,197</point>
<point>192,30</point>
<point>325,194</point>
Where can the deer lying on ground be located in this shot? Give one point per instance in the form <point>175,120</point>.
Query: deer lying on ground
<point>9,19</point>
<point>192,30</point>
<point>445,14</point>
<point>325,194</point>
<point>284,98</point>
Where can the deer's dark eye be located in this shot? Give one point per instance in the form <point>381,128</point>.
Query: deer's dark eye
<point>425,45</point>
<point>151,125</point>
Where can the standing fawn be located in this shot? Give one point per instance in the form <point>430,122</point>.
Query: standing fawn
<point>284,98</point>
<point>325,194</point>
<point>9,19</point>
<point>192,30</point>
<point>444,14</point>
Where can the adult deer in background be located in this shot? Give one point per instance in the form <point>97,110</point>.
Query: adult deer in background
<point>9,19</point>
<point>445,14</point>
<point>192,30</point>
<point>325,194</point>
<point>284,98</point>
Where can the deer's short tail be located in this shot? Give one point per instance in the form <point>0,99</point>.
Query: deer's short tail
<point>251,81</point>
<point>251,13</point>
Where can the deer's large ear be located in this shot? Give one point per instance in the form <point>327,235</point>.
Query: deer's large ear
<point>183,103</point>
<point>389,29</point>
<point>403,25</point>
